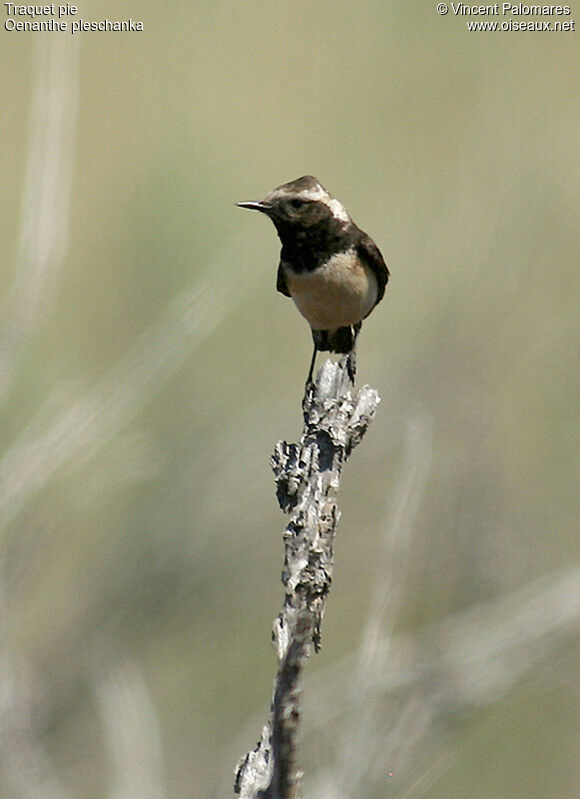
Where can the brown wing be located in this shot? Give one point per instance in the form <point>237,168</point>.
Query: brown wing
<point>281,285</point>
<point>368,251</point>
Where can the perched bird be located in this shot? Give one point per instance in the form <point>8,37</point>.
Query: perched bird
<point>332,270</point>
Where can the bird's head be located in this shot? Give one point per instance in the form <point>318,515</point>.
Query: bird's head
<point>301,205</point>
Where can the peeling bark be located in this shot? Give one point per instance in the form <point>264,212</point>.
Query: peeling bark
<point>307,478</point>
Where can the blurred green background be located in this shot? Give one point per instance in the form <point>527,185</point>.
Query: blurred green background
<point>148,366</point>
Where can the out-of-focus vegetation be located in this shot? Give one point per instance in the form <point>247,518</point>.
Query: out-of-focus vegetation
<point>148,366</point>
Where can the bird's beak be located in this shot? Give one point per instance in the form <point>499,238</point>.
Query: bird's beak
<point>265,208</point>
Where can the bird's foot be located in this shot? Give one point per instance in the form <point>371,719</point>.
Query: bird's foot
<point>351,365</point>
<point>309,391</point>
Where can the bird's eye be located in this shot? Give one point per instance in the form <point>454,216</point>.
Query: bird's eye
<point>296,203</point>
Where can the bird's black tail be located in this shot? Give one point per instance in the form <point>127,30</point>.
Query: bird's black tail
<point>341,340</point>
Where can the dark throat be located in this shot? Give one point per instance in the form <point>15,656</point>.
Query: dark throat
<point>305,249</point>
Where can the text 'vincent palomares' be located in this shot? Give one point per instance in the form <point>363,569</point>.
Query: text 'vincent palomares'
<point>516,9</point>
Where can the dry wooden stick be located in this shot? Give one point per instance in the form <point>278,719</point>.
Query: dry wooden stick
<point>307,479</point>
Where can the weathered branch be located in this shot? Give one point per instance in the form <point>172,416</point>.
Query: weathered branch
<point>307,479</point>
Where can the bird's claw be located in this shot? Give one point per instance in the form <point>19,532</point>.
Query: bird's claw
<point>351,366</point>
